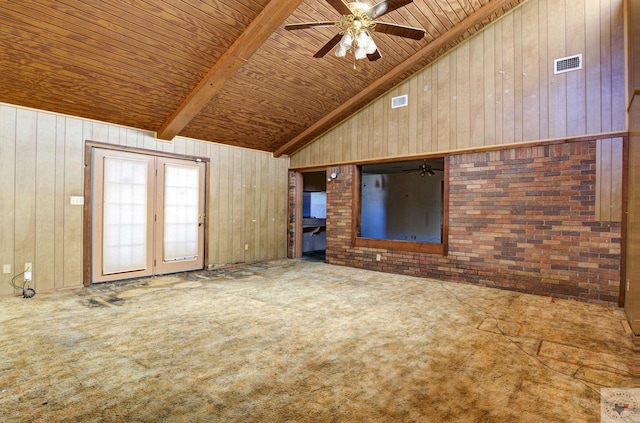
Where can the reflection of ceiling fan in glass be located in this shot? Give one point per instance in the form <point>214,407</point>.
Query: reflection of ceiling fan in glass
<point>356,24</point>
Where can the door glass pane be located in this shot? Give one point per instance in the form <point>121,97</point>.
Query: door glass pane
<point>124,246</point>
<point>181,198</point>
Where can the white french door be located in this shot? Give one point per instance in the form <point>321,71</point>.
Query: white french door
<point>147,215</point>
<point>180,211</point>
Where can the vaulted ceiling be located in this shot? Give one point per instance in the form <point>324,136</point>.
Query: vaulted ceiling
<point>214,70</point>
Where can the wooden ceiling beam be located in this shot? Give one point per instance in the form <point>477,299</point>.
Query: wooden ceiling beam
<point>256,34</point>
<point>364,96</point>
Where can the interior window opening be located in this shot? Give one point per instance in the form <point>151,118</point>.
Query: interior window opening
<point>403,201</point>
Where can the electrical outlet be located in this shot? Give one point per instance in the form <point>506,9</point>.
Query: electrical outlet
<point>27,271</point>
<point>378,257</point>
<point>6,268</point>
<point>76,201</point>
<point>246,247</point>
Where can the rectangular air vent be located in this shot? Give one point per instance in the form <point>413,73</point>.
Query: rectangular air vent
<point>567,64</point>
<point>399,101</point>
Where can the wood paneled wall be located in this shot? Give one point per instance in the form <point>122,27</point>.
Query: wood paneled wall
<point>609,167</point>
<point>632,297</point>
<point>633,35</point>
<point>497,88</point>
<point>41,167</point>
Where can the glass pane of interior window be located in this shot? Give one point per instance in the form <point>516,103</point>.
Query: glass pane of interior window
<point>124,215</point>
<point>403,201</point>
<point>181,198</point>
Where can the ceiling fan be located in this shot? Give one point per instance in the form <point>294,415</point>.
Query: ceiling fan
<point>425,169</point>
<point>357,22</point>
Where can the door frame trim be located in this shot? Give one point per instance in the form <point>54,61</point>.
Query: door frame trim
<point>86,217</point>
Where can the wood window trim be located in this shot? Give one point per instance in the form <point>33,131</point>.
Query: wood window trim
<point>397,245</point>
<point>297,231</point>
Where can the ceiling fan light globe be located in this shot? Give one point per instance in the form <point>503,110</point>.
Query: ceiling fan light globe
<point>360,53</point>
<point>341,51</point>
<point>346,41</point>
<point>371,47</point>
<point>362,40</point>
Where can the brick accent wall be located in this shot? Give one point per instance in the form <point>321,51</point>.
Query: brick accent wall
<point>339,194</point>
<point>521,219</point>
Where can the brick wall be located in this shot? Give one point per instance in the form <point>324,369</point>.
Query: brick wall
<point>519,219</point>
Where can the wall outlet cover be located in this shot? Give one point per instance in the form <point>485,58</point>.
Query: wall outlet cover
<point>77,201</point>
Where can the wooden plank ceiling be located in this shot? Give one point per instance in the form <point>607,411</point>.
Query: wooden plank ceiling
<point>214,70</point>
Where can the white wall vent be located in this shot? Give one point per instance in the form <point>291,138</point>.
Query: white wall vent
<point>400,101</point>
<point>567,64</point>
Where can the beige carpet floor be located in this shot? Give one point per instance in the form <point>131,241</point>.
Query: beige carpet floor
<point>297,341</point>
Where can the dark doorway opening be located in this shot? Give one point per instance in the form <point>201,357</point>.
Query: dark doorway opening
<point>314,216</point>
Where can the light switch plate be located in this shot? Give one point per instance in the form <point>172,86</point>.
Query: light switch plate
<point>6,268</point>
